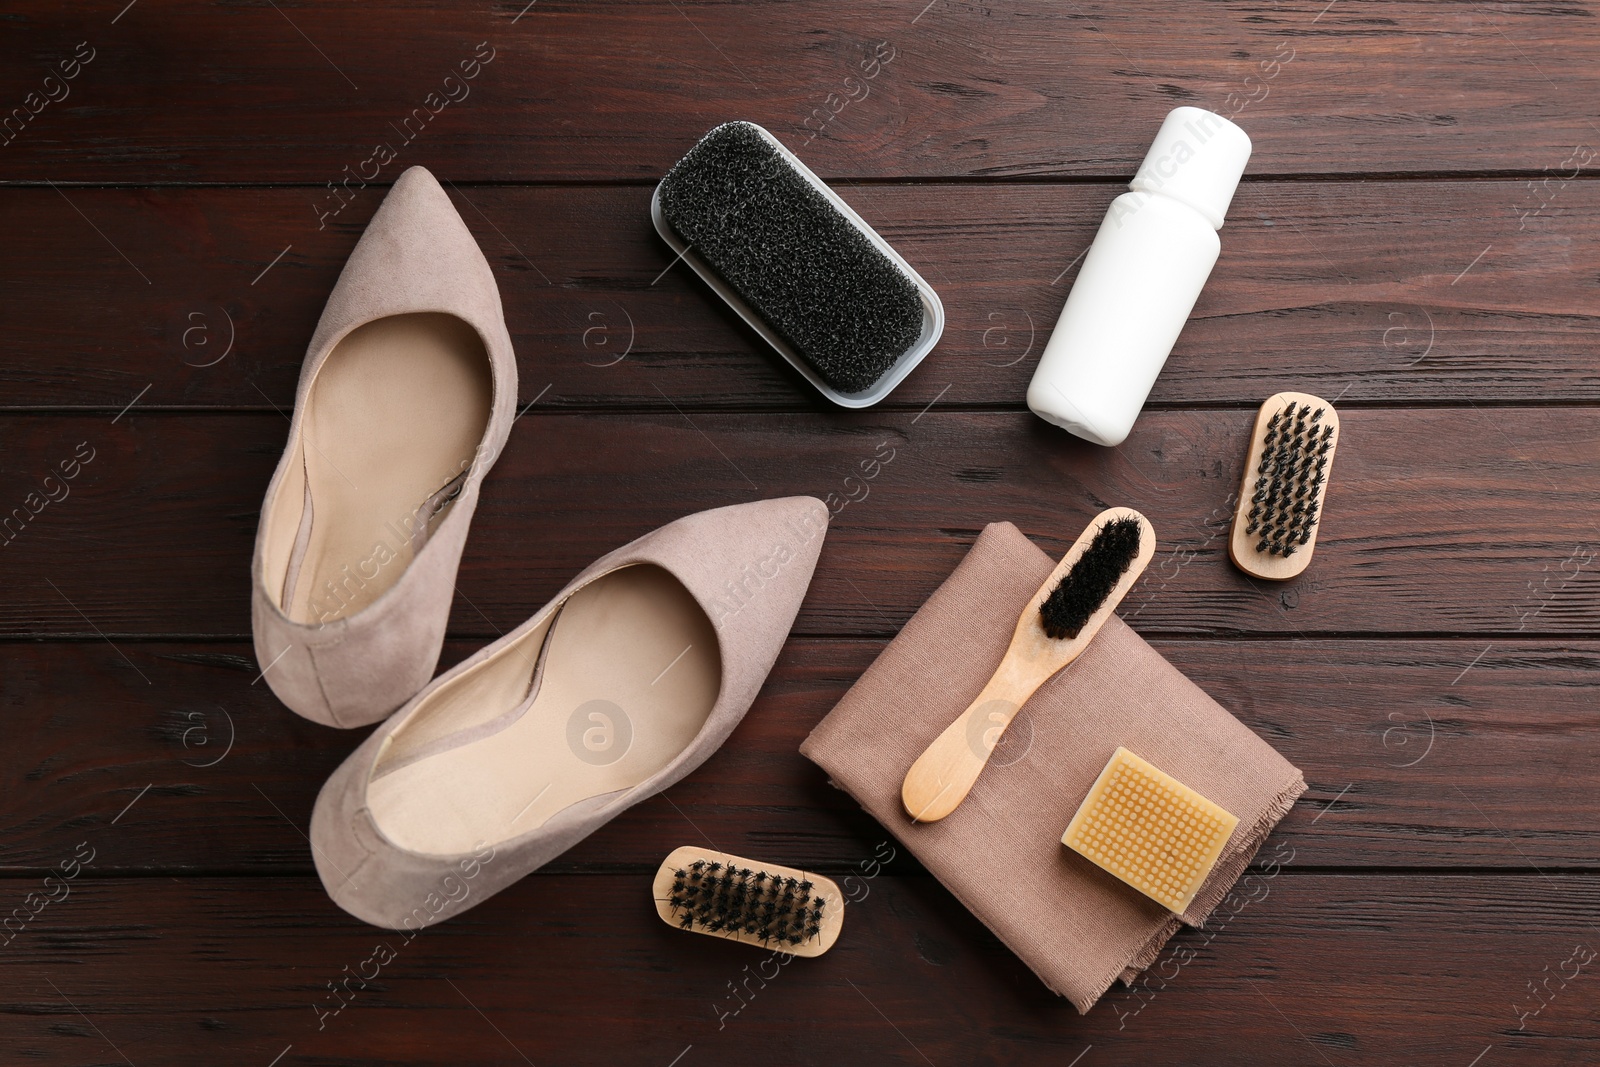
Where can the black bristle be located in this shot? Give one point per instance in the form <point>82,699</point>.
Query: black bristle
<point>772,908</point>
<point>1293,466</point>
<point>839,302</point>
<point>1086,585</point>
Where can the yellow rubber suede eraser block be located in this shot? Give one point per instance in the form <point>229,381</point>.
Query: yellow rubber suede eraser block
<point>1150,830</point>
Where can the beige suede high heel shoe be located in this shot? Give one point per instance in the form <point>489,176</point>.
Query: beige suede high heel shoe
<point>407,395</point>
<point>625,682</point>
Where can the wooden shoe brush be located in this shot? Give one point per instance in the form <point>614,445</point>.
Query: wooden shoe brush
<point>1056,626</point>
<point>729,896</point>
<point>1285,479</point>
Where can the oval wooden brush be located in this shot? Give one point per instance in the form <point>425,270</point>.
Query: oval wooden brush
<point>729,896</point>
<point>1285,480</point>
<point>1056,626</point>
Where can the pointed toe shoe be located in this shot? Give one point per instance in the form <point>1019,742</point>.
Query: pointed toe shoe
<point>406,397</point>
<point>628,680</point>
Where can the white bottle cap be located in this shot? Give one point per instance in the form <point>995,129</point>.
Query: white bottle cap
<point>1197,158</point>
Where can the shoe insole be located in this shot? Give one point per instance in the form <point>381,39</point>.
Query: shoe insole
<point>623,683</point>
<point>395,415</point>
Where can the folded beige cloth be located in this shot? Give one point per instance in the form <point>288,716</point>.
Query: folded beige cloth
<point>1000,852</point>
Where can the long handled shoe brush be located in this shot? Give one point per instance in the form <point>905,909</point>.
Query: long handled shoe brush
<point>1055,628</point>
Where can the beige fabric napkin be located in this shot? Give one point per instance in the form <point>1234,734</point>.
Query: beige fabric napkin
<point>1000,852</point>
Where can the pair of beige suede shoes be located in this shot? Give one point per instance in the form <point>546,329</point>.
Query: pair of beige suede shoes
<point>625,682</point>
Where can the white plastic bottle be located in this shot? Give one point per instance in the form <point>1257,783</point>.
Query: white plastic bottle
<point>1141,278</point>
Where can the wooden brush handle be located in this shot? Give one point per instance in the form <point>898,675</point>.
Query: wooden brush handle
<point>944,774</point>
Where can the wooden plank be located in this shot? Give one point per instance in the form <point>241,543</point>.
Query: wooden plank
<point>1431,673</point>
<point>1316,289</point>
<point>1465,521</point>
<point>1405,745</point>
<point>575,969</point>
<point>196,91</point>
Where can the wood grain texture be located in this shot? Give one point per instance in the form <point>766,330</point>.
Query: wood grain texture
<point>1441,754</point>
<point>587,91</point>
<point>1438,521</point>
<point>578,970</point>
<point>1417,240</point>
<point>1375,292</point>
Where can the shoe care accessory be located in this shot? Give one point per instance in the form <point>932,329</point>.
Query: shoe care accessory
<point>1140,280</point>
<point>1150,830</point>
<point>1285,480</point>
<point>1056,626</point>
<point>1000,854</point>
<point>797,264</point>
<point>760,904</point>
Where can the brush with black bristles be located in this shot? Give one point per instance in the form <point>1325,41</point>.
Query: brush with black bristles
<point>738,899</point>
<point>1285,480</point>
<point>1056,626</point>
<point>813,273</point>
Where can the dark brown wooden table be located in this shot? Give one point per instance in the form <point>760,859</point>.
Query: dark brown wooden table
<point>1416,238</point>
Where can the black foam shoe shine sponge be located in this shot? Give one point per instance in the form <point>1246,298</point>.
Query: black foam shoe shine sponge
<point>808,271</point>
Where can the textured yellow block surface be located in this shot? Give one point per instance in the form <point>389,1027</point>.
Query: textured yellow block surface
<point>1150,830</point>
